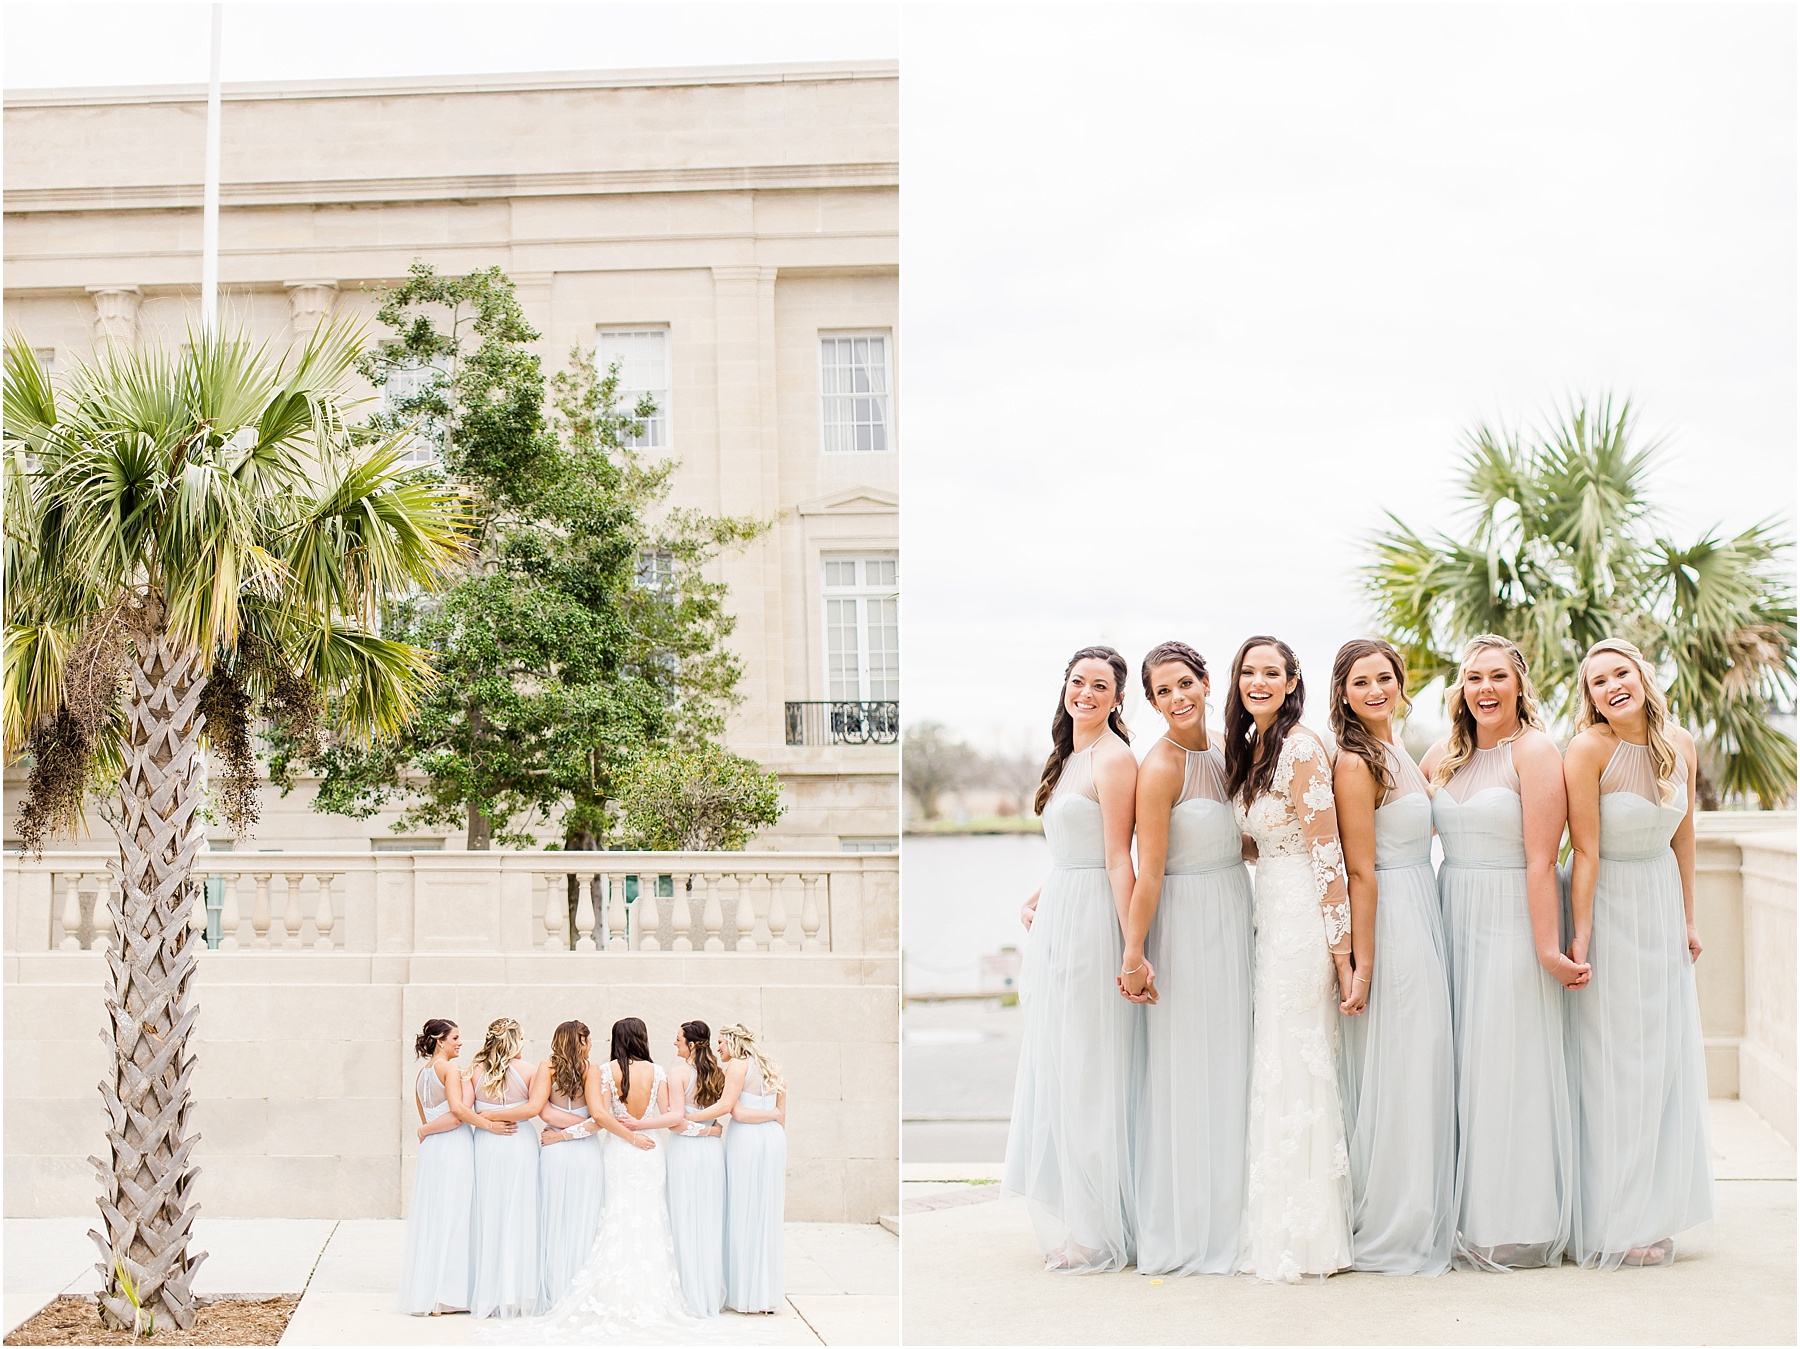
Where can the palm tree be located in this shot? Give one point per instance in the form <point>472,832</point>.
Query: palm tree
<point>1562,547</point>
<point>192,541</point>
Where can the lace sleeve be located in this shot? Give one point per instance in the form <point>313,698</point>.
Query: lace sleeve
<point>1309,791</point>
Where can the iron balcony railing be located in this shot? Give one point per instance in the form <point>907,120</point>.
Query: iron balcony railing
<point>839,723</point>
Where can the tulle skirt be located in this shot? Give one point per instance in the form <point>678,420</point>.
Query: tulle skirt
<point>755,1200</point>
<point>697,1219</point>
<point>1297,1194</point>
<point>1515,1153</point>
<point>505,1220</point>
<point>571,1190</point>
<point>1645,1158</point>
<point>1069,1149</point>
<point>1399,1088</point>
<point>1194,1091</point>
<point>435,1277</point>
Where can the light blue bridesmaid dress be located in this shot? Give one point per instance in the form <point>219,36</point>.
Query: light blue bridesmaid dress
<point>697,1212</point>
<point>755,1199</point>
<point>435,1277</point>
<point>571,1191</point>
<point>505,1217</point>
<point>1515,1150</point>
<point>1398,1064</point>
<point>1069,1148</point>
<point>1194,1091</point>
<point>1645,1158</point>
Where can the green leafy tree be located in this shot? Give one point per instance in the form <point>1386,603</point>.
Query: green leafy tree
<point>1561,546</point>
<point>688,799</point>
<point>585,631</point>
<point>192,543</point>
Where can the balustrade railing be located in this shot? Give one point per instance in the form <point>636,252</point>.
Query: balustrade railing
<point>843,723</point>
<point>600,902</point>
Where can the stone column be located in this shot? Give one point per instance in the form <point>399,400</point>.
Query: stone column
<point>311,303</point>
<point>750,480</point>
<point>115,313</point>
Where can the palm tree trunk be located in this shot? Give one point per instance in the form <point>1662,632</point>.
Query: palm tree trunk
<point>147,1183</point>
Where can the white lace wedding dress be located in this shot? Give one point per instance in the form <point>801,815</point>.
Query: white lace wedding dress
<point>628,1291</point>
<point>1297,1202</point>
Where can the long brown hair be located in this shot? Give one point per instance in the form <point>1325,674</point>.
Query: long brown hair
<point>1249,770</point>
<point>1353,737</point>
<point>1460,747</point>
<point>1656,711</point>
<point>630,1042</point>
<point>569,1059</point>
<point>709,1078</point>
<point>1170,653</point>
<point>1062,725</point>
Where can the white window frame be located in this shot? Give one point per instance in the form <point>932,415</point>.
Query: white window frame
<point>420,453</point>
<point>664,420</point>
<point>861,593</point>
<point>887,397</point>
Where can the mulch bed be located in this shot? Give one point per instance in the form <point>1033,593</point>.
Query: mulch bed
<point>76,1320</point>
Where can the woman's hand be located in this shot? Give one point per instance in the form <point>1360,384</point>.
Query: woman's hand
<point>423,1133</point>
<point>642,1142</point>
<point>1566,972</point>
<point>1353,988</point>
<point>1578,948</point>
<point>499,1126</point>
<point>1028,911</point>
<point>1137,981</point>
<point>549,1136</point>
<point>1693,940</point>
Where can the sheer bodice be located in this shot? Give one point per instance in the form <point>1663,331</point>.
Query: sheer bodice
<point>1072,825</point>
<point>433,1100</point>
<point>1403,820</point>
<point>513,1091</point>
<point>1297,817</point>
<point>1635,822</point>
<point>1203,828</point>
<point>1479,816</point>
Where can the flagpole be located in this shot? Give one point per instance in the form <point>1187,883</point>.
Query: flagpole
<point>209,226</point>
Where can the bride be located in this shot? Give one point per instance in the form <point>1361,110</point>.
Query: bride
<point>628,1289</point>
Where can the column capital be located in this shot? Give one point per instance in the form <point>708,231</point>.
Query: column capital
<point>115,312</point>
<point>309,303</point>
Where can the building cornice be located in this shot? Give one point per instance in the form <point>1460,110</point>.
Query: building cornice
<point>460,187</point>
<point>803,72</point>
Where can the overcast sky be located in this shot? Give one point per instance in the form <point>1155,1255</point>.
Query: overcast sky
<point>68,44</point>
<point>1193,293</point>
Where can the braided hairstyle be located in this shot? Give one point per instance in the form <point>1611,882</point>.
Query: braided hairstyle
<point>425,1045</point>
<point>709,1078</point>
<point>503,1042</point>
<point>1062,725</point>
<point>1250,754</point>
<point>1352,736</point>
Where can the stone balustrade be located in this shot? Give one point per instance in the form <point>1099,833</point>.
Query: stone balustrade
<point>392,903</point>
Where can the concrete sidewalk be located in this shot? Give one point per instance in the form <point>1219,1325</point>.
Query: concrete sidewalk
<point>842,1279</point>
<point>974,1276</point>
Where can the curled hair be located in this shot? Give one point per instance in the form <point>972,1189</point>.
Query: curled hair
<point>1062,725</point>
<point>1461,744</point>
<point>742,1043</point>
<point>1250,754</point>
<point>425,1045</point>
<point>630,1044</point>
<point>498,1050</point>
<point>1352,736</point>
<point>1166,653</point>
<point>569,1059</point>
<point>709,1078</point>
<point>1656,711</point>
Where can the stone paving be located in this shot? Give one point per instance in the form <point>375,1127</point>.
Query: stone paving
<point>842,1279</point>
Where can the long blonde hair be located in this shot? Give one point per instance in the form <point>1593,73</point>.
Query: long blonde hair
<point>569,1059</point>
<point>1663,757</point>
<point>503,1042</point>
<point>1462,721</point>
<point>741,1041</point>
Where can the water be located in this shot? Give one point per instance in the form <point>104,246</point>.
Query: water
<point>959,901</point>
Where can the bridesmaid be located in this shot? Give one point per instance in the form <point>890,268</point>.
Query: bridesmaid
<point>435,1277</point>
<point>1187,950</point>
<point>1499,808</point>
<point>1069,1147</point>
<point>505,1245</point>
<point>696,1162</point>
<point>755,1175</point>
<point>1398,1066</point>
<point>1297,1195</point>
<point>1645,1162</point>
<point>571,1178</point>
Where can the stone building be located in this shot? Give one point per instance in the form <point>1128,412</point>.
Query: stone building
<point>729,235</point>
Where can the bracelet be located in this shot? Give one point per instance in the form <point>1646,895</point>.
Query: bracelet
<point>1363,977</point>
<point>1129,972</point>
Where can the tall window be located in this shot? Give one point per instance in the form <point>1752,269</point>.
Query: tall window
<point>656,570</point>
<point>46,359</point>
<point>642,355</point>
<point>408,382</point>
<point>853,387</point>
<point>862,628</point>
